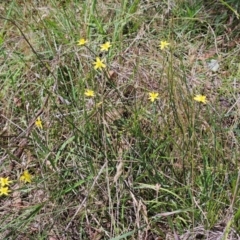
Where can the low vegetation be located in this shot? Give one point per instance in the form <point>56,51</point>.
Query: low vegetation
<point>119,119</point>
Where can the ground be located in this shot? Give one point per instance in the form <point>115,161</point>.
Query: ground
<point>119,119</point>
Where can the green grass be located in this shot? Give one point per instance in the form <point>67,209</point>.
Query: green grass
<point>117,166</point>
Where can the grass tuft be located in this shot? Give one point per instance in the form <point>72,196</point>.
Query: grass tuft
<point>119,120</point>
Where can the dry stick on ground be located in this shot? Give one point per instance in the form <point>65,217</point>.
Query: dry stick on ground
<point>18,152</point>
<point>230,109</point>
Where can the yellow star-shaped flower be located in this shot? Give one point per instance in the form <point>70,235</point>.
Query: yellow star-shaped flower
<point>4,191</point>
<point>82,41</point>
<point>89,93</point>
<point>26,177</point>
<point>99,64</point>
<point>105,46</point>
<point>163,44</point>
<point>153,96</point>
<point>4,182</point>
<point>38,123</point>
<point>200,98</point>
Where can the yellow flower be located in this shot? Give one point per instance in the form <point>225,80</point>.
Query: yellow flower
<point>99,64</point>
<point>82,41</point>
<point>4,182</point>
<point>200,98</point>
<point>163,44</point>
<point>38,123</point>
<point>153,96</point>
<point>4,191</point>
<point>26,177</point>
<point>89,93</point>
<point>105,46</point>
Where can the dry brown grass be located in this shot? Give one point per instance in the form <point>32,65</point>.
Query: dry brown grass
<point>117,164</point>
